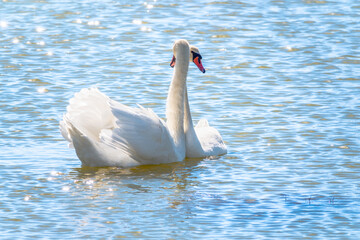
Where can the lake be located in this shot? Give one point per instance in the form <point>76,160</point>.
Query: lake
<point>282,86</point>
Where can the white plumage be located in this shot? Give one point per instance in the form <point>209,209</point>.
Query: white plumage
<point>105,132</point>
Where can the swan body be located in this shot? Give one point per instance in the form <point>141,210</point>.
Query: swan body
<point>105,132</point>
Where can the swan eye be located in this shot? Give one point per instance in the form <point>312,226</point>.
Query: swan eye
<point>195,55</point>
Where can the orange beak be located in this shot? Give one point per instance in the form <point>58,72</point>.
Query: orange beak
<point>198,63</point>
<point>172,63</point>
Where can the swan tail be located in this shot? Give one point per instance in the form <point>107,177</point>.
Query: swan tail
<point>210,139</point>
<point>202,123</point>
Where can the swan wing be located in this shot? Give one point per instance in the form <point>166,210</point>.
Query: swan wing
<point>210,139</point>
<point>107,133</point>
<point>140,133</point>
<point>88,115</point>
<point>94,153</point>
<point>88,111</point>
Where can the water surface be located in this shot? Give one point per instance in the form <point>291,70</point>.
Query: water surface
<point>282,87</point>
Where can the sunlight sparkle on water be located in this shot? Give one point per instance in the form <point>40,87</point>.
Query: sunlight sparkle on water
<point>41,43</point>
<point>3,24</point>
<point>145,29</point>
<point>15,40</point>
<point>42,90</point>
<point>137,21</point>
<point>27,197</point>
<point>93,23</point>
<point>40,29</point>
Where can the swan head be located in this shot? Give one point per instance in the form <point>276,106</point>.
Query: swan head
<point>195,55</point>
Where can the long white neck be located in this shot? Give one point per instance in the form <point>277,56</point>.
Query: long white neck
<point>193,146</point>
<point>175,100</point>
<point>188,124</point>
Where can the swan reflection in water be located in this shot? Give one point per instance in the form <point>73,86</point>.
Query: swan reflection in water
<point>105,132</point>
<point>171,185</point>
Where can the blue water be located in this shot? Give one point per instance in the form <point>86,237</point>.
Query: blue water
<point>282,86</point>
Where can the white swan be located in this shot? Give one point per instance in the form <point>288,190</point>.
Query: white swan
<point>107,133</point>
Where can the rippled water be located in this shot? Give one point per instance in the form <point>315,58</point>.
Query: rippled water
<point>282,86</point>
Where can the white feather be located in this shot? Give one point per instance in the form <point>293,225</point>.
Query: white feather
<point>107,133</point>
